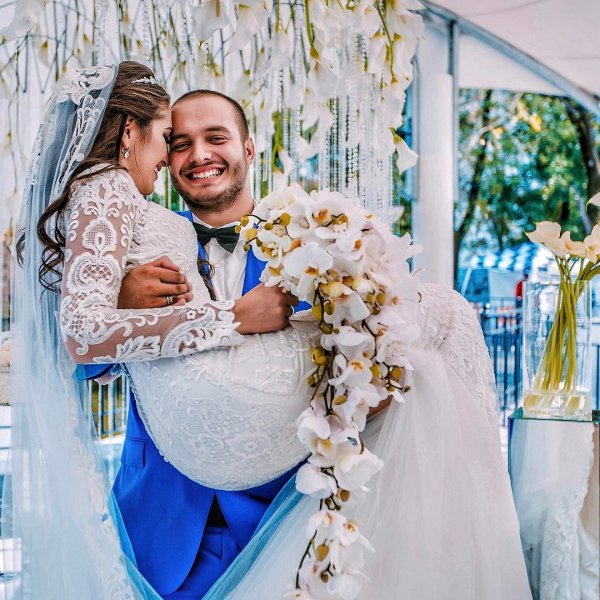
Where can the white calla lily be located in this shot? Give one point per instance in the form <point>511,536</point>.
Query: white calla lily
<point>548,234</point>
<point>210,16</point>
<point>252,16</point>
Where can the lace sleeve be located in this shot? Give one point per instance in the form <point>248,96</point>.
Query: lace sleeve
<point>101,219</point>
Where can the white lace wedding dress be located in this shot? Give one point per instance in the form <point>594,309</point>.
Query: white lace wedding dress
<point>440,514</point>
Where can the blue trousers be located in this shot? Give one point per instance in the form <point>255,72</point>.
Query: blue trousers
<point>218,549</point>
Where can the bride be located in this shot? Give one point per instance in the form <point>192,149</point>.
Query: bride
<point>221,406</point>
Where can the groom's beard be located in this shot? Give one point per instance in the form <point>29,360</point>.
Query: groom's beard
<point>215,200</point>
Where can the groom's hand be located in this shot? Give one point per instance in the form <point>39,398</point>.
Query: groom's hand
<point>264,309</point>
<point>148,286</point>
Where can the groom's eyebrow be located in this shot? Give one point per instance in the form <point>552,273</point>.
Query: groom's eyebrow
<point>177,136</point>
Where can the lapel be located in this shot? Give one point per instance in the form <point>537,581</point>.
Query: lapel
<point>254,266</point>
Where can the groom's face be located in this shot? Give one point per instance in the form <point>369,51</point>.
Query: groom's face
<point>208,158</point>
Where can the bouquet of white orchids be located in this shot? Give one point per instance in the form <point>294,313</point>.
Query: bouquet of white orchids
<point>577,264</point>
<point>325,249</point>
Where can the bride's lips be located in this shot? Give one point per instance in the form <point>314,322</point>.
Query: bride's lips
<point>204,175</point>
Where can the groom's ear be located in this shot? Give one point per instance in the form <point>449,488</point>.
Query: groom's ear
<point>250,151</point>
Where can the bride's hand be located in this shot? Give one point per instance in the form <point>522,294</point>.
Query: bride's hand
<point>149,286</point>
<point>264,309</point>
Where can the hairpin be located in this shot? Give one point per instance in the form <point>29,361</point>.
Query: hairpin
<point>146,80</point>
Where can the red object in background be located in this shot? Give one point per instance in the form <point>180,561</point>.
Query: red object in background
<point>519,288</point>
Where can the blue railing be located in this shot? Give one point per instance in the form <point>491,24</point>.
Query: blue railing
<point>504,338</point>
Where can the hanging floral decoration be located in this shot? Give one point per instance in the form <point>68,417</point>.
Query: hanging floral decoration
<point>323,248</point>
<point>323,82</point>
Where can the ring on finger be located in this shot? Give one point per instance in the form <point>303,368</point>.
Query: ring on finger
<point>169,300</point>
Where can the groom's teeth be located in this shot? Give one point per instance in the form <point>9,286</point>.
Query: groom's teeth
<point>206,174</point>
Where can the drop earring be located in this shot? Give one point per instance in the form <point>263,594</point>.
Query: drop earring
<point>125,152</point>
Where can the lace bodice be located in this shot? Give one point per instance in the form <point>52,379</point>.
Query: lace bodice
<point>110,228</point>
<point>227,418</point>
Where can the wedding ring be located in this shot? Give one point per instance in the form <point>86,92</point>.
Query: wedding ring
<point>169,300</point>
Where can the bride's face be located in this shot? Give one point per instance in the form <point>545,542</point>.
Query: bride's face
<point>148,153</point>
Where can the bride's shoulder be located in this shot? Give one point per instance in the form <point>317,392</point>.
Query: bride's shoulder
<point>444,301</point>
<point>104,184</point>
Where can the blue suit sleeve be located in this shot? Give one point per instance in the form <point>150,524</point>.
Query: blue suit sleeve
<point>85,372</point>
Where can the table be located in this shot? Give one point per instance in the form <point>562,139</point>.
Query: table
<point>554,469</point>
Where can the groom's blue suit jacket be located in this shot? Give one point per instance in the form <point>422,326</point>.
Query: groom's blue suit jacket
<point>164,512</point>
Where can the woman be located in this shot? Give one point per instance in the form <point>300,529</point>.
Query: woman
<point>443,484</point>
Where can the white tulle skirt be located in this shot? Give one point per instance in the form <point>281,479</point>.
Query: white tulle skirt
<point>440,514</point>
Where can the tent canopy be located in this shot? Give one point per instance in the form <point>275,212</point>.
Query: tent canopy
<point>543,46</point>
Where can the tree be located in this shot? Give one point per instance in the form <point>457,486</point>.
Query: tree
<point>523,158</point>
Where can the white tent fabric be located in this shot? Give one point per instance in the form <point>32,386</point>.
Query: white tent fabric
<point>562,36</point>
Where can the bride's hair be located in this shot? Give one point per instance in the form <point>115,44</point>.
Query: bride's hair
<point>135,94</point>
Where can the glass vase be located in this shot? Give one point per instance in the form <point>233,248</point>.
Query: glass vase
<point>557,350</point>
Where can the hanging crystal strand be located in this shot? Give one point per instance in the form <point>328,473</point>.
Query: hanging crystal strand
<point>353,121</point>
<point>334,147</point>
<point>296,80</point>
<point>268,162</point>
<point>100,31</point>
<point>147,31</point>
<point>283,110</point>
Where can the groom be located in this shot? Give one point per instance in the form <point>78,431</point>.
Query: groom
<point>185,535</point>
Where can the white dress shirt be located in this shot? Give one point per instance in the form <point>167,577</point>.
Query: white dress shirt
<point>229,267</point>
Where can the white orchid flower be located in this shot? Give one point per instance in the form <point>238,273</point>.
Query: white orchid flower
<point>353,471</point>
<point>310,480</point>
<point>308,261</point>
<point>312,423</point>
<point>355,309</point>
<point>273,247</point>
<point>356,372</point>
<point>346,339</point>
<point>307,576</point>
<point>209,17</point>
<point>328,522</point>
<point>252,16</point>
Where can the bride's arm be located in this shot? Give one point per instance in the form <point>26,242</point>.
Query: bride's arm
<point>102,217</point>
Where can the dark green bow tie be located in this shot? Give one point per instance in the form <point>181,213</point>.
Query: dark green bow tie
<point>227,237</point>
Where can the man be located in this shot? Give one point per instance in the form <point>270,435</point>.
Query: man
<point>185,535</point>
